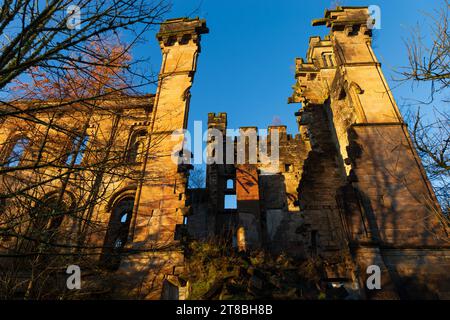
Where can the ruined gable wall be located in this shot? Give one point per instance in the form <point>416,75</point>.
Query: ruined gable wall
<point>387,200</point>
<point>157,184</point>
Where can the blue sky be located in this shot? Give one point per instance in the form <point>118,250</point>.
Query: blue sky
<point>246,66</point>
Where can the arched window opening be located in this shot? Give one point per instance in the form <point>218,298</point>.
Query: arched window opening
<point>46,220</point>
<point>230,184</point>
<point>117,233</point>
<point>136,150</point>
<point>79,145</point>
<point>17,151</point>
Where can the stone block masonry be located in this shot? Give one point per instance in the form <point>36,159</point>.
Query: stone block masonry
<point>348,190</point>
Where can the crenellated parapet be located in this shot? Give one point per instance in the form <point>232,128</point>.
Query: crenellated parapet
<point>351,20</point>
<point>217,120</point>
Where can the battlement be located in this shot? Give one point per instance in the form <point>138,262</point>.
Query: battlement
<point>220,117</point>
<point>181,30</point>
<point>282,133</point>
<point>343,16</point>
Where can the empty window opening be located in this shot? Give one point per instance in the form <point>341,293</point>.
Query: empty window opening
<point>17,152</point>
<point>230,184</point>
<point>46,219</point>
<point>324,60</point>
<point>136,150</point>
<point>117,233</point>
<point>327,59</point>
<point>230,201</point>
<point>79,145</point>
<point>330,60</point>
<point>342,94</point>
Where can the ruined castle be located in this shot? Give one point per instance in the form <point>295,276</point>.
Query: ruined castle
<point>349,187</point>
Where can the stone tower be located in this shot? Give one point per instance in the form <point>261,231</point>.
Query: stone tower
<point>389,211</point>
<point>131,199</point>
<point>160,196</point>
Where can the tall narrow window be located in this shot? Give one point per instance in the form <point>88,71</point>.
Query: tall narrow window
<point>330,59</point>
<point>230,201</point>
<point>324,60</point>
<point>17,152</point>
<point>117,233</point>
<point>79,145</point>
<point>327,59</point>
<point>46,219</point>
<point>136,151</point>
